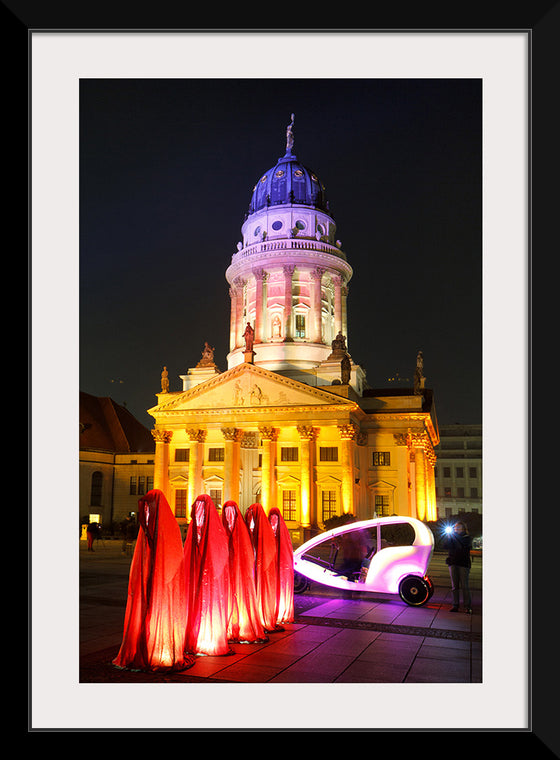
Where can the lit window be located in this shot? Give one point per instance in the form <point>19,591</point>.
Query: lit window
<point>328,504</point>
<point>215,455</point>
<point>289,454</point>
<point>381,505</point>
<point>216,496</point>
<point>328,453</point>
<point>381,458</point>
<point>289,505</point>
<point>181,502</point>
<point>300,326</point>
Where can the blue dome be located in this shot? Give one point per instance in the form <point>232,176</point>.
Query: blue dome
<point>288,182</point>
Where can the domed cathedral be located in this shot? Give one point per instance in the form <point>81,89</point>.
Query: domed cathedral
<point>291,422</point>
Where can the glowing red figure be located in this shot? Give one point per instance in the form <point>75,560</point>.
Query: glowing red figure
<point>154,625</point>
<point>244,623</point>
<point>264,549</point>
<point>207,575</point>
<point>285,567</point>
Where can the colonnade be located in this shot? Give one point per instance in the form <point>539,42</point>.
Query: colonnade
<point>235,440</point>
<point>237,468</point>
<point>240,306</point>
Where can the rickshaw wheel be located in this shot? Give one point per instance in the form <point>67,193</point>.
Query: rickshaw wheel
<point>301,584</point>
<point>414,590</point>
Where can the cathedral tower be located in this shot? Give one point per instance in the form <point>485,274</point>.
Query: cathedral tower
<point>289,277</point>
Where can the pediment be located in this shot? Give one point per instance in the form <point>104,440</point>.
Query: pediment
<point>248,386</point>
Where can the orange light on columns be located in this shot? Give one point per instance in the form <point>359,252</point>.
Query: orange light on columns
<point>269,436</point>
<point>197,438</point>
<point>162,439</point>
<point>306,434</point>
<point>420,484</point>
<point>347,434</point>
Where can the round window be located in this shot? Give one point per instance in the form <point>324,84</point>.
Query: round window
<point>277,225</point>
<point>257,231</point>
<point>300,225</point>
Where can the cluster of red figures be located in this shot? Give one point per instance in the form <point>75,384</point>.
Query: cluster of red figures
<point>231,581</point>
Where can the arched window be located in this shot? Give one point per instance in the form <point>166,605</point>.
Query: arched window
<point>96,489</point>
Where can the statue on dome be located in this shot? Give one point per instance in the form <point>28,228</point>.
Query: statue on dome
<point>419,379</point>
<point>290,136</point>
<point>339,343</point>
<point>249,336</point>
<point>164,381</point>
<point>207,356</point>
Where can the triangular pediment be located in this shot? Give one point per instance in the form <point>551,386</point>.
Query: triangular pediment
<point>248,386</point>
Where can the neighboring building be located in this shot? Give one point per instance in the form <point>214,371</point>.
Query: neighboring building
<point>291,422</point>
<point>459,470</point>
<point>116,461</point>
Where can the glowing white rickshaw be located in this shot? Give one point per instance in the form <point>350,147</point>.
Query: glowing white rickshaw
<point>388,555</point>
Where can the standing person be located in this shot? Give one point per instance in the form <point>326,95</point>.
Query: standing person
<point>285,567</point>
<point>207,576</point>
<point>265,571</point>
<point>459,561</point>
<point>244,624</point>
<point>154,625</point>
<point>92,532</point>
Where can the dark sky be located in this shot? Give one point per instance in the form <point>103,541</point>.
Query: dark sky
<point>167,169</point>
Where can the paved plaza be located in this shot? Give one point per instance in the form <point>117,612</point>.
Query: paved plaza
<point>335,639</point>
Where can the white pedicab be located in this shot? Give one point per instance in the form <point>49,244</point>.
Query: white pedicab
<point>383,555</point>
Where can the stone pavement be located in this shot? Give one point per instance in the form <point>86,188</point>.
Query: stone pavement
<point>363,639</point>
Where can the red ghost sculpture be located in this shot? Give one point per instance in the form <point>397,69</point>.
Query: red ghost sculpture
<point>207,576</point>
<point>265,573</point>
<point>244,623</point>
<point>285,567</point>
<point>154,624</point>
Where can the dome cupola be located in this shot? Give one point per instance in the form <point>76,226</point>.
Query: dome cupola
<point>288,182</point>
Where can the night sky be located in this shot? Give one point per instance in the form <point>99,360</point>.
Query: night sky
<point>167,169</point>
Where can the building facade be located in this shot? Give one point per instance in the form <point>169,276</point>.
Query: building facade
<point>291,422</point>
<point>116,461</point>
<point>459,470</point>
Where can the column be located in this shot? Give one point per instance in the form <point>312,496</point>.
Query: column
<point>337,281</point>
<point>197,438</point>
<point>239,285</point>
<point>288,274</point>
<point>347,434</point>
<point>162,439</point>
<point>260,277</point>
<point>420,462</point>
<point>233,318</point>
<point>232,438</point>
<point>344,312</point>
<point>316,276</point>
<point>269,436</point>
<point>307,434</point>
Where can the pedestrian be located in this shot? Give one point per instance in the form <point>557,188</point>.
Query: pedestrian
<point>154,625</point>
<point>244,624</point>
<point>285,567</point>
<point>459,560</point>
<point>207,577</point>
<point>92,534</point>
<point>265,569</point>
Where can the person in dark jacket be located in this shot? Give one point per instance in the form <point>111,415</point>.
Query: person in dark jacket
<point>459,561</point>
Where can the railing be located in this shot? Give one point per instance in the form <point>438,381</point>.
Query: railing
<point>285,245</point>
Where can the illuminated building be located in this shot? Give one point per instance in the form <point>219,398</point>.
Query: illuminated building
<point>291,422</point>
<point>116,461</point>
<point>459,470</point>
